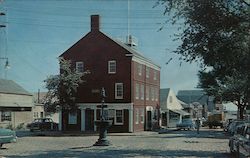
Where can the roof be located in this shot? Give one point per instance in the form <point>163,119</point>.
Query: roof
<point>191,92</point>
<point>164,94</point>
<point>11,87</point>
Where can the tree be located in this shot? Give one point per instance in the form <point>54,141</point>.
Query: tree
<point>217,33</point>
<point>62,88</point>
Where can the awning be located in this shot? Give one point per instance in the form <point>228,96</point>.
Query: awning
<point>182,112</point>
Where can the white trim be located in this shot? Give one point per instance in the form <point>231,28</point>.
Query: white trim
<point>60,121</point>
<point>82,119</point>
<point>109,62</point>
<point>131,120</point>
<point>116,85</point>
<point>95,120</point>
<point>119,123</point>
<point>140,61</point>
<point>110,105</point>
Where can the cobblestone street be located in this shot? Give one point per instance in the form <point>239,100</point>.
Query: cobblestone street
<point>209,143</point>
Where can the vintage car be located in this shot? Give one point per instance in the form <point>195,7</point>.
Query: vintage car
<point>185,124</point>
<point>7,136</point>
<point>234,140</point>
<point>43,124</point>
<point>244,143</point>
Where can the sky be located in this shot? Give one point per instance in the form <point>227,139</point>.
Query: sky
<point>38,31</point>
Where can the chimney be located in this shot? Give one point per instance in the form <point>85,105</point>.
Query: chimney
<point>95,22</point>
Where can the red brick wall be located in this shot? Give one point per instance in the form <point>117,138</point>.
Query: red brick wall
<point>95,50</point>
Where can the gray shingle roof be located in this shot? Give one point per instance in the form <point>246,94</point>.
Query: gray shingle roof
<point>164,94</point>
<point>10,87</point>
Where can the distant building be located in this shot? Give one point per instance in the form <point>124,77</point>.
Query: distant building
<point>171,109</point>
<point>191,96</point>
<point>131,81</point>
<point>15,105</point>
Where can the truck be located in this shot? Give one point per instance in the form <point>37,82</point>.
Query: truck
<point>215,119</point>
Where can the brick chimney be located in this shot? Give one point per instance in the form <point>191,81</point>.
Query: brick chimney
<point>95,22</point>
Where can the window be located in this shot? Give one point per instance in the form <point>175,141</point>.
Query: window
<point>35,114</point>
<point>152,93</point>
<point>6,116</point>
<point>137,116</point>
<point>147,72</point>
<point>142,92</point>
<point>118,90</point>
<point>142,115</point>
<point>72,118</point>
<point>112,67</point>
<point>137,91</point>
<point>156,94</point>
<point>119,117</point>
<point>155,75</point>
<point>139,69</point>
<point>109,114</point>
<point>79,67</point>
<point>147,93</point>
<point>170,99</point>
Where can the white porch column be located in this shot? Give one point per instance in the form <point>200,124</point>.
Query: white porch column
<point>82,119</point>
<point>60,120</point>
<point>94,119</point>
<point>131,120</point>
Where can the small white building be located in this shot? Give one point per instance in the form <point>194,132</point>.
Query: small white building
<point>171,109</point>
<point>15,105</point>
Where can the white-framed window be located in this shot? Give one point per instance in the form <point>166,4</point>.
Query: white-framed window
<point>142,92</point>
<point>147,92</point>
<point>156,94</point>
<point>79,66</point>
<point>170,99</point>
<point>139,67</point>
<point>137,91</point>
<point>119,117</point>
<point>136,116</point>
<point>112,67</point>
<point>152,93</point>
<point>109,114</point>
<point>6,116</point>
<point>155,75</point>
<point>118,90</point>
<point>147,72</point>
<point>72,118</point>
<point>142,115</point>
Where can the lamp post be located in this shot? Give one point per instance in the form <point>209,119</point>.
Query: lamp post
<point>103,124</point>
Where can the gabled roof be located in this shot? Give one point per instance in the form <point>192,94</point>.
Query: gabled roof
<point>164,94</point>
<point>10,87</point>
<point>191,92</point>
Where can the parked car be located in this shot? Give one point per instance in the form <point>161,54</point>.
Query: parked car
<point>185,124</point>
<point>233,125</point>
<point>244,143</point>
<point>7,136</point>
<point>227,124</point>
<point>234,140</point>
<point>43,124</point>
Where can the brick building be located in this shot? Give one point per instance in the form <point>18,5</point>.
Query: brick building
<point>131,81</point>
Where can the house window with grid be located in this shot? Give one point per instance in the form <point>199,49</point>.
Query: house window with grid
<point>79,67</point>
<point>147,92</point>
<point>139,69</point>
<point>119,117</point>
<point>156,94</point>
<point>109,114</point>
<point>142,92</point>
<point>118,90</point>
<point>72,120</point>
<point>147,72</point>
<point>136,116</point>
<point>137,91</point>
<point>155,75</point>
<point>112,67</point>
<point>152,93</point>
<point>6,116</point>
<point>142,115</point>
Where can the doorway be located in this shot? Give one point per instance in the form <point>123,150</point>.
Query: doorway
<point>89,120</point>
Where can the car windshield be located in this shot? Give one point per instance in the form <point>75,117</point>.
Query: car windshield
<point>186,121</point>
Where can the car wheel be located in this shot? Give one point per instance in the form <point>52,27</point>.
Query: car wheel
<point>1,144</point>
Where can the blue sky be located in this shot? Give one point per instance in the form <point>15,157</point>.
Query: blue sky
<point>38,31</point>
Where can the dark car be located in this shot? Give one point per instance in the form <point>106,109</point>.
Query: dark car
<point>7,136</point>
<point>185,124</point>
<point>234,140</point>
<point>244,143</point>
<point>43,124</point>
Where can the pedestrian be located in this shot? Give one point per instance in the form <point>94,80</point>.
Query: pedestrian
<point>198,123</point>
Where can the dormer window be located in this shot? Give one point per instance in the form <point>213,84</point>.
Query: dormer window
<point>112,67</point>
<point>79,67</point>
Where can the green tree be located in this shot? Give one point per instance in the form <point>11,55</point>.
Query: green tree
<point>62,88</point>
<point>217,33</point>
